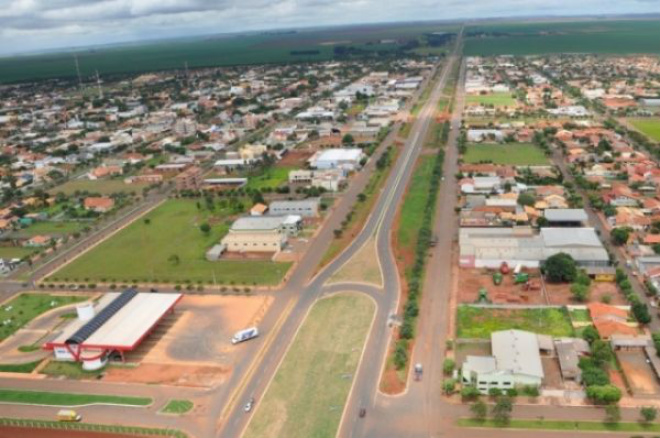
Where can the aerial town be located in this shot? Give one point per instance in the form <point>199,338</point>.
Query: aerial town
<point>428,241</point>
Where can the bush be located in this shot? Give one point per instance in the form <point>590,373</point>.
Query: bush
<point>531,391</point>
<point>449,386</point>
<point>448,366</point>
<point>494,392</point>
<point>470,393</point>
<point>580,292</point>
<point>641,313</point>
<point>502,410</point>
<point>401,354</point>
<point>479,410</point>
<point>604,394</point>
<point>407,330</point>
<point>590,334</point>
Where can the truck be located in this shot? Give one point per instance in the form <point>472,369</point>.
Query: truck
<point>68,415</point>
<point>245,335</point>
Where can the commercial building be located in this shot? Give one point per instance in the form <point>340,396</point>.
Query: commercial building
<point>261,233</point>
<point>115,324</point>
<point>304,208</point>
<point>566,217</point>
<point>516,361</point>
<point>489,247</point>
<point>348,159</point>
<point>189,179</point>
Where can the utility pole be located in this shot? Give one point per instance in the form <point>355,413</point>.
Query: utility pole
<point>75,58</point>
<point>98,85</point>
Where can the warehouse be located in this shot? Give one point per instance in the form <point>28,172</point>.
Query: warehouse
<point>261,234</point>
<point>347,159</point>
<point>566,217</point>
<point>489,247</point>
<point>304,208</point>
<point>115,324</point>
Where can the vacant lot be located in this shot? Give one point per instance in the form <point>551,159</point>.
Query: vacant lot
<point>15,252</point>
<point>270,178</point>
<point>307,396</point>
<point>475,322</point>
<point>638,373</point>
<point>103,187</point>
<point>24,308</point>
<point>649,127</point>
<point>167,246</point>
<point>515,154</point>
<point>53,228</point>
<point>493,99</point>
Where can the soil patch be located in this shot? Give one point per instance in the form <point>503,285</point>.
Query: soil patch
<point>560,294</point>
<point>166,374</point>
<point>13,432</point>
<point>472,280</point>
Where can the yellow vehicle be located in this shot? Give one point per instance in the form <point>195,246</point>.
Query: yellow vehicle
<point>68,415</point>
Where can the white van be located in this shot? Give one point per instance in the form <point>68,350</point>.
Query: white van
<point>245,335</point>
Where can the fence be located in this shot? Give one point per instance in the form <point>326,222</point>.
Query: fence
<point>89,427</point>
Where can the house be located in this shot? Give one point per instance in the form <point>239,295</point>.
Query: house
<point>37,241</point>
<point>611,320</point>
<point>258,209</point>
<point>348,159</point>
<point>189,179</point>
<point>516,361</point>
<point>569,351</point>
<point>100,204</point>
<point>104,171</point>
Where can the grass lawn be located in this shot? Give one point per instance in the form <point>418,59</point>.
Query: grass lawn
<point>580,315</point>
<point>70,370</point>
<point>648,126</point>
<point>412,210</point>
<point>142,252</point>
<point>307,395</point>
<point>494,99</point>
<point>15,252</point>
<point>177,407</point>
<point>17,312</point>
<point>104,187</point>
<point>19,368</point>
<point>56,228</point>
<point>515,154</point>
<point>67,399</point>
<point>475,322</point>
<point>586,426</point>
<point>272,177</point>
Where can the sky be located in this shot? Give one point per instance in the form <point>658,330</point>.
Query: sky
<point>37,25</point>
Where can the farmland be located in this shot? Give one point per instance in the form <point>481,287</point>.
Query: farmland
<point>494,99</point>
<point>218,50</point>
<point>312,376</point>
<point>605,37</point>
<point>516,154</point>
<point>648,127</point>
<point>168,246</point>
<point>475,322</point>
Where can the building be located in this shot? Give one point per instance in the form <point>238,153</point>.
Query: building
<point>489,247</point>
<point>566,217</point>
<point>100,204</point>
<point>331,180</point>
<point>229,165</point>
<point>304,208</point>
<point>347,159</point>
<point>189,179</point>
<point>261,233</point>
<point>569,351</point>
<point>612,321</point>
<point>516,361</point>
<point>115,324</point>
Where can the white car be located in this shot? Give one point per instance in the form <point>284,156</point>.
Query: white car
<point>249,405</point>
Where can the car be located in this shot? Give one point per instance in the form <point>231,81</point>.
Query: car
<point>249,405</point>
<point>362,412</point>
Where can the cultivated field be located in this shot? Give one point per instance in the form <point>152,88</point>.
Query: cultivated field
<point>475,322</point>
<point>615,37</point>
<point>307,396</point>
<point>515,154</point>
<point>167,246</point>
<point>648,126</point>
<point>493,99</point>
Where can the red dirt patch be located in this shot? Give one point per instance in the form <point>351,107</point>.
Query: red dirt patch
<point>471,280</point>
<point>296,158</point>
<point>560,294</point>
<point>28,432</point>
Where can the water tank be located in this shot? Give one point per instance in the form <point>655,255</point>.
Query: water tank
<point>85,311</point>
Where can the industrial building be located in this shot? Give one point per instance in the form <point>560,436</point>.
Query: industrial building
<point>267,234</point>
<point>566,217</point>
<point>516,361</point>
<point>489,247</point>
<point>304,208</point>
<point>347,159</point>
<point>115,324</point>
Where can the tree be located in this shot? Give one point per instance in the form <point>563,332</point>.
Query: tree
<point>348,139</point>
<point>641,313</point>
<point>542,222</point>
<point>648,414</point>
<point>526,199</point>
<point>147,221</point>
<point>612,414</point>
<point>502,410</point>
<point>620,235</point>
<point>601,352</point>
<point>580,292</point>
<point>604,394</point>
<point>559,268</point>
<point>205,228</point>
<point>590,334</point>
<point>479,410</point>
<point>448,366</point>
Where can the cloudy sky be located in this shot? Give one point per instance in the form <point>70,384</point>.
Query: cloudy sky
<point>30,25</point>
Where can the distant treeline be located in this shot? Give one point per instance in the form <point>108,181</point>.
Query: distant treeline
<point>305,52</point>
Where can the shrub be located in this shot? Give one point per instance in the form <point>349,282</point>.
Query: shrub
<point>448,366</point>
<point>449,386</point>
<point>494,392</point>
<point>604,394</point>
<point>401,354</point>
<point>470,393</point>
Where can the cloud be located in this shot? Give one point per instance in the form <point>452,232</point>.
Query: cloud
<point>27,25</point>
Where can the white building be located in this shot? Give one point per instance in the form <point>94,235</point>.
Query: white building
<point>348,159</point>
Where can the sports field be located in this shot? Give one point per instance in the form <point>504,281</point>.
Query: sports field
<point>648,126</point>
<point>606,37</point>
<point>307,395</point>
<point>515,154</point>
<point>494,99</point>
<point>170,248</point>
<point>219,50</point>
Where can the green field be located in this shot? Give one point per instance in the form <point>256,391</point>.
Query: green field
<point>515,154</point>
<point>412,210</point>
<point>148,252</point>
<point>648,127</point>
<point>476,322</point>
<point>102,187</point>
<point>272,178</point>
<point>599,36</point>
<point>583,426</point>
<point>307,395</point>
<point>19,368</point>
<point>178,407</point>
<point>66,399</point>
<point>15,252</point>
<point>53,228</point>
<point>27,306</point>
<point>493,99</point>
<point>216,50</point>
